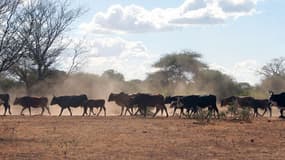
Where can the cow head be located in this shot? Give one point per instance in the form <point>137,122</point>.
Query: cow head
<point>173,104</point>
<point>167,100</point>
<point>17,101</point>
<point>111,97</point>
<point>273,98</point>
<point>53,101</point>
<point>228,101</point>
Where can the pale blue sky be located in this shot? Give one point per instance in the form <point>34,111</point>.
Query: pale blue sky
<point>246,41</point>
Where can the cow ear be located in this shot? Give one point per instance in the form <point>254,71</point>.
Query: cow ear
<point>270,92</point>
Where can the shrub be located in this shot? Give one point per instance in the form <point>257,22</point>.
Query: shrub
<point>244,114</point>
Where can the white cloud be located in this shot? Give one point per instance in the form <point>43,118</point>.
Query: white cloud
<point>244,71</point>
<point>134,60</point>
<point>131,58</point>
<point>136,19</point>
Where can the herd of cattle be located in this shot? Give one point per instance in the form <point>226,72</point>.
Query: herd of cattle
<point>141,102</point>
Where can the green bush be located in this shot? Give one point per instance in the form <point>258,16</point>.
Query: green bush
<point>244,114</point>
<point>233,110</point>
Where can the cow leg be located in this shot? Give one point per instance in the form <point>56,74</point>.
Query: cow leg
<point>122,110</point>
<point>126,110</point>
<point>193,111</point>
<point>30,111</point>
<point>130,110</point>
<point>22,111</point>
<point>9,109</point>
<point>43,109</point>
<point>48,110</point>
<point>104,108</point>
<point>265,110</point>
<point>85,108</point>
<point>161,110</point>
<point>216,110</point>
<point>6,107</point>
<point>61,111</point>
<point>174,111</point>
<point>270,111</point>
<point>210,111</point>
<point>255,112</point>
<point>181,111</point>
<point>281,113</point>
<point>157,110</point>
<point>91,111</point>
<point>69,111</point>
<point>145,111</point>
<point>164,107</point>
<point>99,111</point>
<point>139,110</point>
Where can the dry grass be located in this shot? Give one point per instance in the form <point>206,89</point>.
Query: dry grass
<point>137,138</point>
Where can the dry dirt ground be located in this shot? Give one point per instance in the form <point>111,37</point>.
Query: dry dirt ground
<point>52,137</point>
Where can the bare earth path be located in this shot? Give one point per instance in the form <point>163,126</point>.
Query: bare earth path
<point>137,138</point>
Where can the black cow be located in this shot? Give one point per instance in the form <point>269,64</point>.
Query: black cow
<point>261,104</point>
<point>35,102</point>
<point>279,101</point>
<point>5,98</point>
<point>194,102</point>
<point>228,101</point>
<point>123,100</point>
<point>175,102</point>
<point>248,102</point>
<point>69,101</point>
<point>146,100</point>
<point>91,103</point>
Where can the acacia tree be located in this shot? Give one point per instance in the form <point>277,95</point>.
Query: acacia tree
<point>44,23</point>
<point>113,75</point>
<point>180,66</point>
<point>175,69</point>
<point>11,45</point>
<point>276,67</point>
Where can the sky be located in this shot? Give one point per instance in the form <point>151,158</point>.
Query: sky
<point>236,37</point>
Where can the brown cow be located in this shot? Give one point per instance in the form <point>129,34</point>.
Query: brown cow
<point>35,102</point>
<point>123,100</point>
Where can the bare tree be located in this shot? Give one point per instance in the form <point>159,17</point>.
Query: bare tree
<point>24,73</point>
<point>276,67</point>
<point>11,45</point>
<point>77,58</point>
<point>44,24</point>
